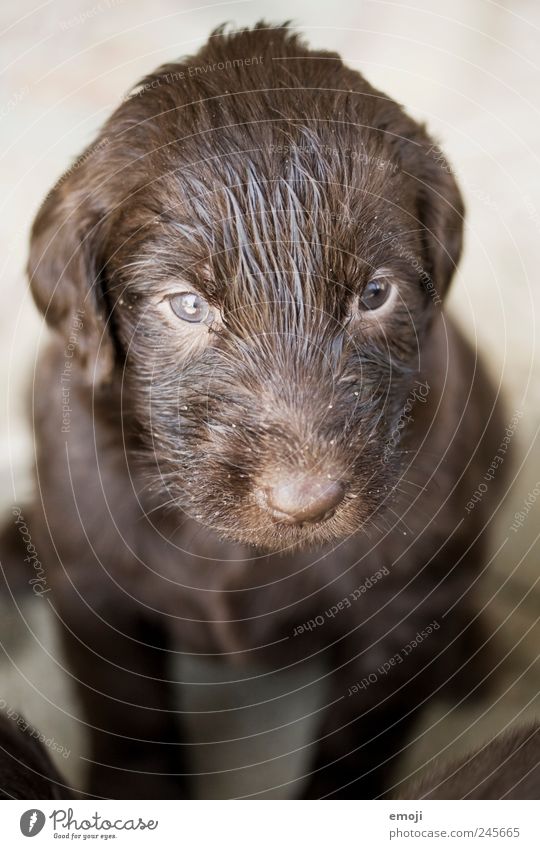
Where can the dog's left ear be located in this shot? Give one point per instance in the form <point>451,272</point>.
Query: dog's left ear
<point>441,212</point>
<point>66,269</point>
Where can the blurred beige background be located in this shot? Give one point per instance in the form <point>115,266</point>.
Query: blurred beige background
<point>470,69</point>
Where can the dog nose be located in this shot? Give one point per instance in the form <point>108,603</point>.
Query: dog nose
<point>304,498</point>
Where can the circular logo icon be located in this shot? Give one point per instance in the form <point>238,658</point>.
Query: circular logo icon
<point>32,822</point>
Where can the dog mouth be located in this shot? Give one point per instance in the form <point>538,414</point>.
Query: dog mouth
<point>284,505</point>
<point>266,529</point>
<point>282,519</point>
<point>274,535</point>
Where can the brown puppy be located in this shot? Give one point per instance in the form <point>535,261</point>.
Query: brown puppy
<point>255,404</point>
<point>506,768</point>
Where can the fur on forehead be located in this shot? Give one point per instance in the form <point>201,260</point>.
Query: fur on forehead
<point>291,167</point>
<point>293,162</point>
<point>295,213</point>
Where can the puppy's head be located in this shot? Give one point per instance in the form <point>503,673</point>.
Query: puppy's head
<point>253,251</point>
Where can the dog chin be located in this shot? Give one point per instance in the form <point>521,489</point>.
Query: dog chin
<point>280,537</point>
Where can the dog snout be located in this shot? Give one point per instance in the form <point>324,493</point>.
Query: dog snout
<point>303,498</point>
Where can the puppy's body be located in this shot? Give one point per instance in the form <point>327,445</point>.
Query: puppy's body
<point>26,770</point>
<point>156,478</point>
<point>506,768</point>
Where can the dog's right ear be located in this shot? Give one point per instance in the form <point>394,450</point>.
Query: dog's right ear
<point>66,269</point>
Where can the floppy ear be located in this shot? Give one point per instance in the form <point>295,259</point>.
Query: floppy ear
<point>66,274</point>
<point>441,213</point>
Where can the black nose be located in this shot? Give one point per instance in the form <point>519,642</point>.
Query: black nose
<point>304,498</point>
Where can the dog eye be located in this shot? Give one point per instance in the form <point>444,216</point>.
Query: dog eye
<point>376,293</point>
<point>190,307</point>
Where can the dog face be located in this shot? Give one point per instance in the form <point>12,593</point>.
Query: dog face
<point>258,267</point>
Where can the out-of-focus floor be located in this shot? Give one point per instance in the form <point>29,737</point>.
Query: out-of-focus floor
<point>471,71</point>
